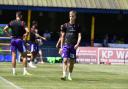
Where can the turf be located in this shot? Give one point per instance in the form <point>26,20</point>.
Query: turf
<point>85,76</point>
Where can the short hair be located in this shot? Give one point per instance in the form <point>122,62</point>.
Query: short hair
<point>19,14</point>
<point>34,22</point>
<point>73,11</point>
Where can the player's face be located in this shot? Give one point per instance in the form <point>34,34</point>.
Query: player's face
<point>72,16</point>
<point>19,17</point>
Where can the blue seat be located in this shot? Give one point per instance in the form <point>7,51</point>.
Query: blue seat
<point>8,58</point>
<point>1,58</point>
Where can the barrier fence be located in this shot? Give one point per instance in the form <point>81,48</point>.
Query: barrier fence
<point>90,55</point>
<point>5,54</point>
<point>99,55</point>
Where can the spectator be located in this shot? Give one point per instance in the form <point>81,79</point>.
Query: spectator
<point>105,41</point>
<point>47,34</point>
<point>121,41</point>
<point>114,39</point>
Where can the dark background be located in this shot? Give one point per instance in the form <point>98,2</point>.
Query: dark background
<point>111,24</point>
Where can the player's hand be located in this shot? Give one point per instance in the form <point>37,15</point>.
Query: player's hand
<point>60,51</point>
<point>76,46</point>
<point>25,36</point>
<point>44,39</point>
<point>37,35</point>
<point>57,45</point>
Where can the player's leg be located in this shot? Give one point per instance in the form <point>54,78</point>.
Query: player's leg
<point>34,54</point>
<point>13,53</point>
<point>24,61</point>
<point>31,60</point>
<point>71,66</point>
<point>32,50</point>
<point>22,49</point>
<point>65,68</point>
<point>14,63</point>
<point>36,60</point>
<point>71,61</point>
<point>41,55</point>
<point>65,56</point>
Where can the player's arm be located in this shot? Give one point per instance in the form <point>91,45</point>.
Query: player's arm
<point>27,31</point>
<point>58,43</point>
<point>6,28</point>
<point>79,38</point>
<point>62,39</point>
<point>25,36</point>
<point>37,35</point>
<point>42,37</point>
<point>63,31</point>
<point>78,41</point>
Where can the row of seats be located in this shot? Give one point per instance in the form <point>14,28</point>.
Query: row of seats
<point>51,60</point>
<point>5,58</point>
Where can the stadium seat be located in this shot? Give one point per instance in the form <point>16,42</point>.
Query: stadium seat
<point>8,58</point>
<point>1,58</point>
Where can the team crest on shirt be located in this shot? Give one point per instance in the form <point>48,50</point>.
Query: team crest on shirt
<point>71,29</point>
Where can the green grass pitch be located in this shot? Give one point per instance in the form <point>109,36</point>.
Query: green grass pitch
<point>85,76</point>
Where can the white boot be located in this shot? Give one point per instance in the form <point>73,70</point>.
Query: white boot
<point>25,72</point>
<point>14,71</point>
<point>30,64</point>
<point>64,76</point>
<point>69,76</point>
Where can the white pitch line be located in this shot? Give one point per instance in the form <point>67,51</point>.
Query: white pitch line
<point>10,83</point>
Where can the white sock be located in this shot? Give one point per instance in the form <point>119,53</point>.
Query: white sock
<point>14,70</point>
<point>69,74</point>
<point>30,62</point>
<point>25,69</point>
<point>64,74</point>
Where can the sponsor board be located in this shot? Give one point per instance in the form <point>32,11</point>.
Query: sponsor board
<point>102,55</point>
<point>87,55</point>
